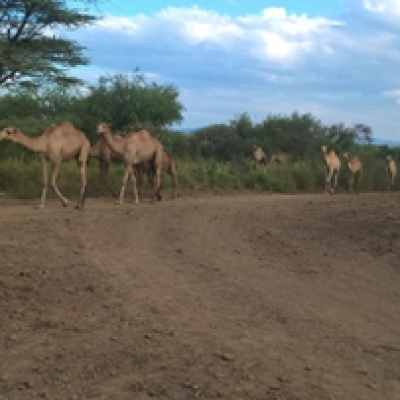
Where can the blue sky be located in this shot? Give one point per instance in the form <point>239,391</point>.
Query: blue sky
<point>338,60</point>
<point>231,7</point>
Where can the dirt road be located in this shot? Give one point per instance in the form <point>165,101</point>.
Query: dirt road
<point>244,297</point>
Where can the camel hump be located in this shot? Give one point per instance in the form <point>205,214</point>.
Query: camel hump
<point>64,127</point>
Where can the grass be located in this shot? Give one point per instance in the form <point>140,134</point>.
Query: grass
<point>21,177</point>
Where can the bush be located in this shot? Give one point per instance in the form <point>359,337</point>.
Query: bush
<point>21,177</point>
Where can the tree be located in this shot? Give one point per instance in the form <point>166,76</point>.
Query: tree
<point>128,102</point>
<point>31,48</point>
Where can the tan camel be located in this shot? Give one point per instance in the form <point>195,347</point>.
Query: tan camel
<point>135,148</point>
<point>332,168</point>
<point>59,143</point>
<point>354,166</point>
<point>391,170</point>
<point>169,166</point>
<point>279,157</point>
<point>102,151</point>
<point>259,156</point>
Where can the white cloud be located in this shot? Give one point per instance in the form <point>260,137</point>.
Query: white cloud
<point>383,6</point>
<point>392,93</point>
<point>344,70</point>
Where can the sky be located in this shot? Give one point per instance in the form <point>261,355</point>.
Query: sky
<point>338,60</point>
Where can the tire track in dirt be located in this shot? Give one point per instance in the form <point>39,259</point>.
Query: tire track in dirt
<point>291,297</point>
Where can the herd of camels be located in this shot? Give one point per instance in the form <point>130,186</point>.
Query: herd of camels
<point>332,167</point>
<point>142,154</point>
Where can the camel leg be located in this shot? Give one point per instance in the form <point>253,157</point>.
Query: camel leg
<point>328,183</point>
<point>157,176</point>
<point>157,184</point>
<point>357,181</point>
<point>135,186</point>
<point>335,179</point>
<point>351,182</point>
<point>82,197</point>
<point>124,181</point>
<point>104,168</point>
<point>138,172</point>
<point>44,182</point>
<point>391,182</point>
<point>56,167</point>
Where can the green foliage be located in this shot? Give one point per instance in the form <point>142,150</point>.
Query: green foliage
<point>28,55</point>
<point>214,158</point>
<point>129,102</point>
<point>21,177</point>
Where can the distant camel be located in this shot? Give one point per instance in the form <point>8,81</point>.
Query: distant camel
<point>354,166</point>
<point>279,157</point>
<point>135,148</point>
<point>332,168</point>
<point>259,155</point>
<point>391,170</point>
<point>102,151</point>
<point>59,143</point>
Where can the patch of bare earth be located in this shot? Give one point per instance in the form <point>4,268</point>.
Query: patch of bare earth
<point>240,297</point>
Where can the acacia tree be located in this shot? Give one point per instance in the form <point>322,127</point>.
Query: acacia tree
<point>31,48</point>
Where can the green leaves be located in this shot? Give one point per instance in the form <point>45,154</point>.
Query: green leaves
<point>32,49</point>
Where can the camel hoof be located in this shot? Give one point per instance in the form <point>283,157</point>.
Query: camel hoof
<point>118,203</point>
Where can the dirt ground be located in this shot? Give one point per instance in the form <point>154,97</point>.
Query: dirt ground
<point>231,297</point>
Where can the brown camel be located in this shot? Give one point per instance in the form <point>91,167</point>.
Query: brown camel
<point>169,166</point>
<point>102,151</point>
<point>354,166</point>
<point>332,168</point>
<point>259,156</point>
<point>279,157</point>
<point>391,170</point>
<point>59,143</point>
<point>135,148</point>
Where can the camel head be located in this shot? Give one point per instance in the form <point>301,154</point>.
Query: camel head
<point>324,149</point>
<point>9,133</point>
<point>389,158</point>
<point>345,156</point>
<point>103,128</point>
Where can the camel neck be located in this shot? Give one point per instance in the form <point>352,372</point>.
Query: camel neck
<point>35,144</point>
<point>115,146</point>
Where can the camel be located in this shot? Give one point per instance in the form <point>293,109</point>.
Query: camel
<point>168,165</point>
<point>332,168</point>
<point>279,157</point>
<point>135,148</point>
<point>391,170</point>
<point>59,143</point>
<point>354,166</point>
<point>106,156</point>
<point>259,155</point>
